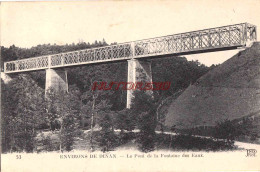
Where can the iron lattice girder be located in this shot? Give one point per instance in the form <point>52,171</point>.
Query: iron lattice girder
<point>208,39</point>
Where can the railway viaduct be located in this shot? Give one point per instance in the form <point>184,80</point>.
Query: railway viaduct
<point>137,53</point>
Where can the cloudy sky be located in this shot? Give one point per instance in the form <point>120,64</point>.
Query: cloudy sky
<point>27,24</point>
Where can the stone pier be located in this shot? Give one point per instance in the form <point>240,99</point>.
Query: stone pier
<point>56,79</point>
<point>6,78</point>
<point>138,71</point>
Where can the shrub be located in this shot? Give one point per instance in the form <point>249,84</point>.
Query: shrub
<point>69,132</point>
<point>187,142</point>
<point>231,130</point>
<point>125,120</point>
<point>146,137</point>
<point>144,109</point>
<point>126,137</point>
<point>24,141</point>
<point>47,144</point>
<point>107,139</point>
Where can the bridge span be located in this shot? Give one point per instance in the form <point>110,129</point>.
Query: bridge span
<point>137,52</point>
<point>207,40</point>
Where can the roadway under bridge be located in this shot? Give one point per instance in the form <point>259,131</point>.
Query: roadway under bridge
<point>137,53</point>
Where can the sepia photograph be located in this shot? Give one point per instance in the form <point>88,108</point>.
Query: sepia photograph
<point>130,86</point>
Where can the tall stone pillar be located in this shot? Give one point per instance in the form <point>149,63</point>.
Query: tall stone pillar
<point>5,77</point>
<point>56,79</point>
<point>138,71</point>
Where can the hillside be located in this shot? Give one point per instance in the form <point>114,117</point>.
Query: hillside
<point>229,91</point>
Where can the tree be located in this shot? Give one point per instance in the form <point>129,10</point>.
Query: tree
<point>178,71</point>
<point>8,105</point>
<point>125,120</point>
<point>24,108</point>
<point>66,108</point>
<point>106,120</point>
<point>92,108</point>
<point>227,130</point>
<point>231,130</point>
<point>92,100</point>
<point>145,110</point>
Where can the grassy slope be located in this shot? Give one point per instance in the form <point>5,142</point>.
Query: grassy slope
<point>229,91</point>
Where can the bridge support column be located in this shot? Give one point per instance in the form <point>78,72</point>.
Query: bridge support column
<point>56,79</point>
<point>5,77</point>
<point>138,71</point>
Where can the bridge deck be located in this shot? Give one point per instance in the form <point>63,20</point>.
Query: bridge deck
<point>207,40</point>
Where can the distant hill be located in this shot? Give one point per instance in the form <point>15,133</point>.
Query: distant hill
<point>229,91</point>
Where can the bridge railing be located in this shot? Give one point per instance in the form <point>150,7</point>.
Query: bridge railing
<point>227,36</point>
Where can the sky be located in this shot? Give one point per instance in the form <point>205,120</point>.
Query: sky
<point>27,24</point>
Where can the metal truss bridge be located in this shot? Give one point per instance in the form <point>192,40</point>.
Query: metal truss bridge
<point>207,40</point>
